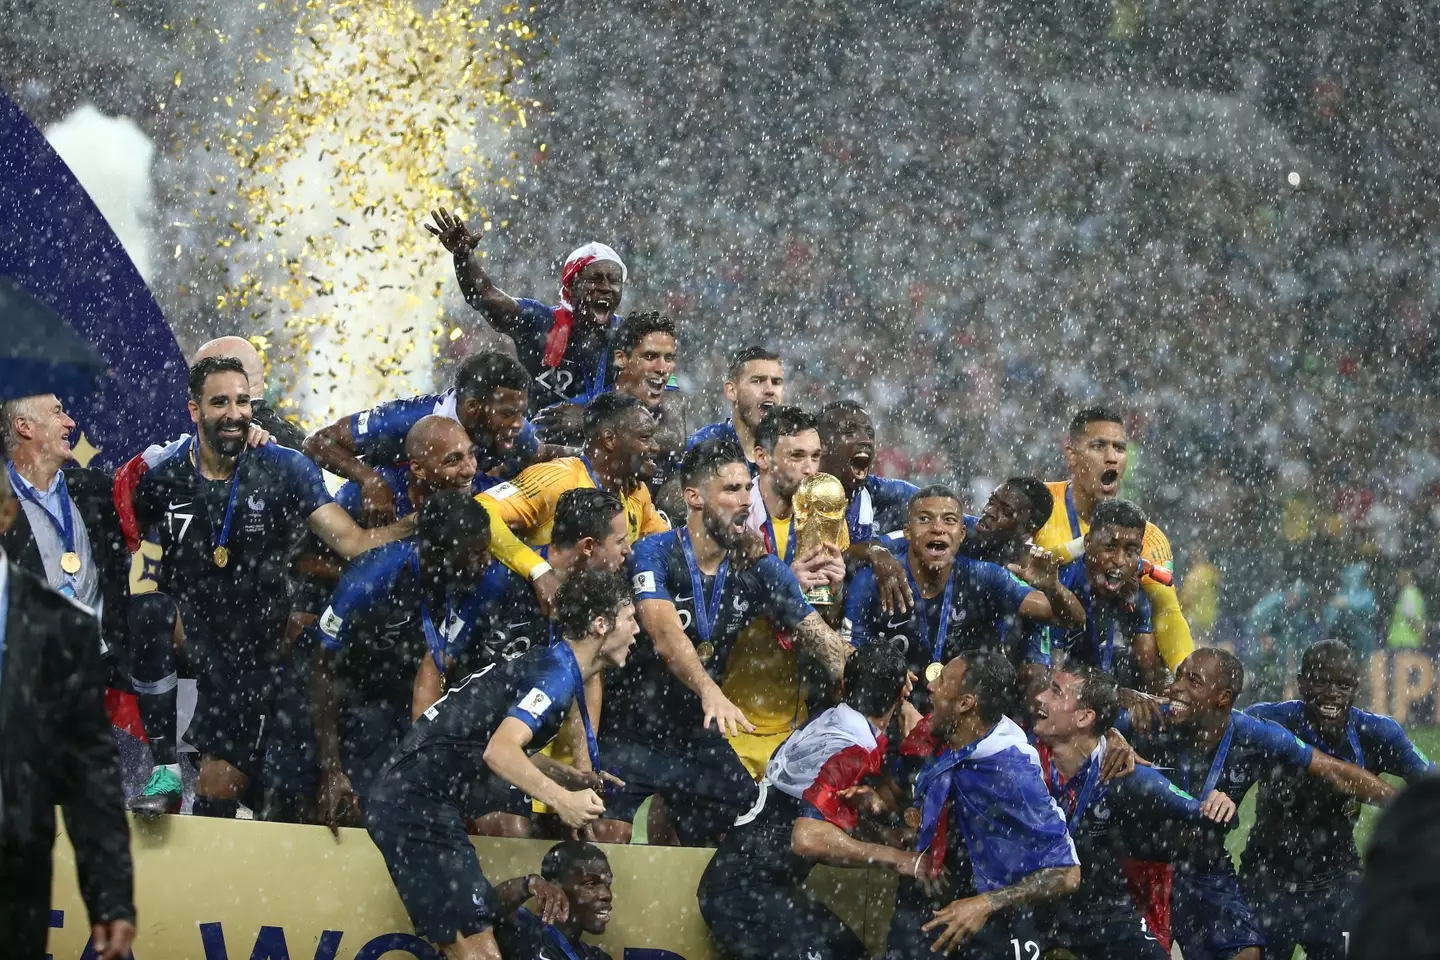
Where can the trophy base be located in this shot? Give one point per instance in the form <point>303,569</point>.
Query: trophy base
<point>820,596</point>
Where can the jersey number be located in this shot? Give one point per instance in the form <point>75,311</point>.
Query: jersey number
<point>685,618</point>
<point>561,384</point>
<point>185,519</point>
<point>1032,949</point>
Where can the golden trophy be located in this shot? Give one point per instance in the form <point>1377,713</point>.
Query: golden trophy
<point>819,518</point>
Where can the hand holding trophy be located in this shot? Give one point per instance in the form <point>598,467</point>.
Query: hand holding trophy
<point>820,519</point>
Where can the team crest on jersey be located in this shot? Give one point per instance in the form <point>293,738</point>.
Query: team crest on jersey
<point>255,503</point>
<point>535,703</point>
<point>1100,811</point>
<point>741,605</point>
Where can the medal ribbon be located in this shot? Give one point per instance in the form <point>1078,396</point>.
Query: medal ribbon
<point>706,613</point>
<point>1088,779</point>
<point>64,524</point>
<point>592,746</point>
<point>922,610</point>
<point>1074,517</point>
<point>224,536</point>
<point>1216,765</point>
<point>433,640</point>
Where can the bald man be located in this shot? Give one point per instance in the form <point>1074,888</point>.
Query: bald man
<point>263,415</point>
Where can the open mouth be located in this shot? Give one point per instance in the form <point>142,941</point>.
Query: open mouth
<point>860,465</point>
<point>231,431</point>
<point>603,914</point>
<point>654,387</point>
<point>935,549</point>
<point>506,440</point>
<point>1114,578</point>
<point>602,307</point>
<point>1110,481</point>
<point>738,521</point>
<point>1330,711</point>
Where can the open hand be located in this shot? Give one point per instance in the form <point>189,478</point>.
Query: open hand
<point>452,232</point>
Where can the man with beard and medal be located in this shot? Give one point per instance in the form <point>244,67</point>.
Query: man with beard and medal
<point>959,604</point>
<point>666,717</point>
<point>394,607</point>
<point>225,518</point>
<point>1212,751</point>
<point>1300,868</point>
<point>565,348</point>
<point>1096,447</point>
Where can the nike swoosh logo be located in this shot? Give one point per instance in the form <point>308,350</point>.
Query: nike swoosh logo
<point>177,506</point>
<point>522,623</point>
<point>893,624</point>
<point>682,599</point>
<point>401,623</point>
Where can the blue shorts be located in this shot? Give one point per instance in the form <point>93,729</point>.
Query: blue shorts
<point>1005,936</point>
<point>1096,934</point>
<point>368,736</point>
<point>434,867</point>
<point>1316,916</point>
<point>1210,918</point>
<point>704,784</point>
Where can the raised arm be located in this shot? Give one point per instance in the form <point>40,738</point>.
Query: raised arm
<point>662,623</point>
<point>823,841</point>
<point>338,531</point>
<point>1049,600</point>
<point>499,308</point>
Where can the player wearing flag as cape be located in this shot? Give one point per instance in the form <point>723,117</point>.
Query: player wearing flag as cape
<point>1207,746</point>
<point>984,812</point>
<point>764,675</point>
<point>484,733</point>
<point>1095,455</point>
<point>815,788</point>
<point>696,592</point>
<point>394,607</point>
<point>960,604</point>
<point>1300,868</point>
<point>565,348</point>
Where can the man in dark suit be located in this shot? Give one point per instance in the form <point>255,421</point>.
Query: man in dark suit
<point>56,748</point>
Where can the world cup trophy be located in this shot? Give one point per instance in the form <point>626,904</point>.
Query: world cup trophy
<point>819,518</point>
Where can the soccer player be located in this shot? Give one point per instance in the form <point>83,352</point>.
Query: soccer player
<point>263,415</point>
<point>1095,455</point>
<point>695,594</point>
<point>224,517</point>
<point>1208,746</point>
<point>394,607</point>
<point>815,788</point>
<point>1300,868</point>
<point>1116,634</point>
<point>566,348</point>
<point>960,604</point>
<point>1107,820</point>
<point>1015,512</point>
<point>488,399</point>
<point>755,383</point>
<point>483,732</point>
<point>573,892</point>
<point>847,439</point>
<point>764,675</point>
<point>984,807</point>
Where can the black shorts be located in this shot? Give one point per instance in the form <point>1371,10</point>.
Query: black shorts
<point>1005,936</point>
<point>233,717</point>
<point>434,867</point>
<point>1317,916</point>
<point>755,914</point>
<point>291,765</point>
<point>369,734</point>
<point>1210,918</point>
<point>309,596</point>
<point>1121,934</point>
<point>702,781</point>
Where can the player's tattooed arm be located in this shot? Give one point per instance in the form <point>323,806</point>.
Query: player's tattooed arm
<point>1348,778</point>
<point>1038,887</point>
<point>823,643</point>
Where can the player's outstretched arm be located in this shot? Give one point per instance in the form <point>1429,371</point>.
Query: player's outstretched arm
<point>1348,778</point>
<point>823,643</point>
<point>823,841</point>
<point>505,756</point>
<point>1050,600</point>
<point>662,623</point>
<point>338,531</point>
<point>479,290</point>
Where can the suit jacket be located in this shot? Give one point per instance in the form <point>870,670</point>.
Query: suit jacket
<point>92,493</point>
<point>56,748</point>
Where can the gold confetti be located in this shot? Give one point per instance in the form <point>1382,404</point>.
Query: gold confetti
<point>178,76</point>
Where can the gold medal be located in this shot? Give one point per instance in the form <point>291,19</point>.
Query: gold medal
<point>932,672</point>
<point>70,562</point>
<point>912,818</point>
<point>222,556</point>
<point>705,651</point>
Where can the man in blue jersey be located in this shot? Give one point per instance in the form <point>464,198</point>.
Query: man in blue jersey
<point>695,593</point>
<point>815,788</point>
<point>488,399</point>
<point>1205,747</point>
<point>1015,512</point>
<point>573,895</point>
<point>984,813</point>
<point>394,607</point>
<point>225,518</point>
<point>959,604</point>
<point>754,383</point>
<point>1300,868</point>
<point>847,440</point>
<point>565,348</point>
<point>484,733</point>
<point>1108,821</point>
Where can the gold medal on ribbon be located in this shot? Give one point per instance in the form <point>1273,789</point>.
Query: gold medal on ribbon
<point>912,818</point>
<point>70,562</point>
<point>705,650</point>
<point>932,672</point>
<point>222,556</point>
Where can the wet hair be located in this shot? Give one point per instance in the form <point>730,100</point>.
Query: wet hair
<point>482,374</point>
<point>748,355</point>
<point>706,458</point>
<point>635,328</point>
<point>991,678</point>
<point>1328,653</point>
<point>449,518</point>
<point>874,677</point>
<point>202,370</point>
<point>835,407</point>
<point>1098,691</point>
<point>1042,501</point>
<point>1118,513</point>
<point>584,512</point>
<point>607,411</point>
<point>934,491</point>
<point>1090,415</point>
<point>587,595</point>
<point>1232,671</point>
<point>566,856</point>
<point>781,421</point>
